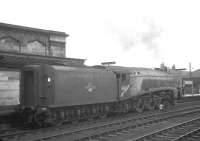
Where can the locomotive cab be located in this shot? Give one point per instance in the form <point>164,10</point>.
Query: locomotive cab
<point>123,83</point>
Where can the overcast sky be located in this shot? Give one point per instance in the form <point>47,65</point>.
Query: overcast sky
<point>137,33</point>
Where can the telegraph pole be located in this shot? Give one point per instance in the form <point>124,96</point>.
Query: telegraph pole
<point>190,76</point>
<point>190,71</point>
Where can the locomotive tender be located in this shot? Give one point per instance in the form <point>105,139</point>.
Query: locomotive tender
<point>60,93</point>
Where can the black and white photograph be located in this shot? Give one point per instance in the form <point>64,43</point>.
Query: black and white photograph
<point>99,70</point>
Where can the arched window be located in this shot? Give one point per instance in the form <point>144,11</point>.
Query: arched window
<point>36,47</point>
<point>9,43</point>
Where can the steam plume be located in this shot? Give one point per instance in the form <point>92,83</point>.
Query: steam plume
<point>129,39</point>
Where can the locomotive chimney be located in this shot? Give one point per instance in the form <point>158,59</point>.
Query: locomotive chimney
<point>173,67</point>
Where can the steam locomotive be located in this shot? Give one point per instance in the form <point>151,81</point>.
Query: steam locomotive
<point>52,94</point>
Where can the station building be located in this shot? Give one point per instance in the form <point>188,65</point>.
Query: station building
<point>19,46</point>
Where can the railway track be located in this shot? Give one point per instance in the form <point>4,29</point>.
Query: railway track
<point>188,99</point>
<point>184,131</point>
<point>125,128</point>
<point>7,120</point>
<point>98,131</point>
<point>193,135</point>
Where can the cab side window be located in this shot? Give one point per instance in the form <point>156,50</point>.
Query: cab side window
<point>118,76</point>
<point>125,77</point>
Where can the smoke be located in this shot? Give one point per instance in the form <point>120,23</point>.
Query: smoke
<point>149,38</point>
<point>127,41</point>
<point>126,38</point>
<point>146,34</point>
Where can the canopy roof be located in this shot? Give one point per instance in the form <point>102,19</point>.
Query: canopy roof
<point>18,60</point>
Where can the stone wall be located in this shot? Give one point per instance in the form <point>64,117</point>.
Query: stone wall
<point>9,88</point>
<point>32,41</point>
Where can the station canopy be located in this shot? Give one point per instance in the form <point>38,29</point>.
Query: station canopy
<point>18,60</point>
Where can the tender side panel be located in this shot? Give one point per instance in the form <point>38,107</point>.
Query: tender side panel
<point>84,86</point>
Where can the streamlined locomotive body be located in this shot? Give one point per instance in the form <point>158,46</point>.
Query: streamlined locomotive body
<point>57,93</point>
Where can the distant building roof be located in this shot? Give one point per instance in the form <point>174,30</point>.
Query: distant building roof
<point>195,73</point>
<point>32,29</point>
